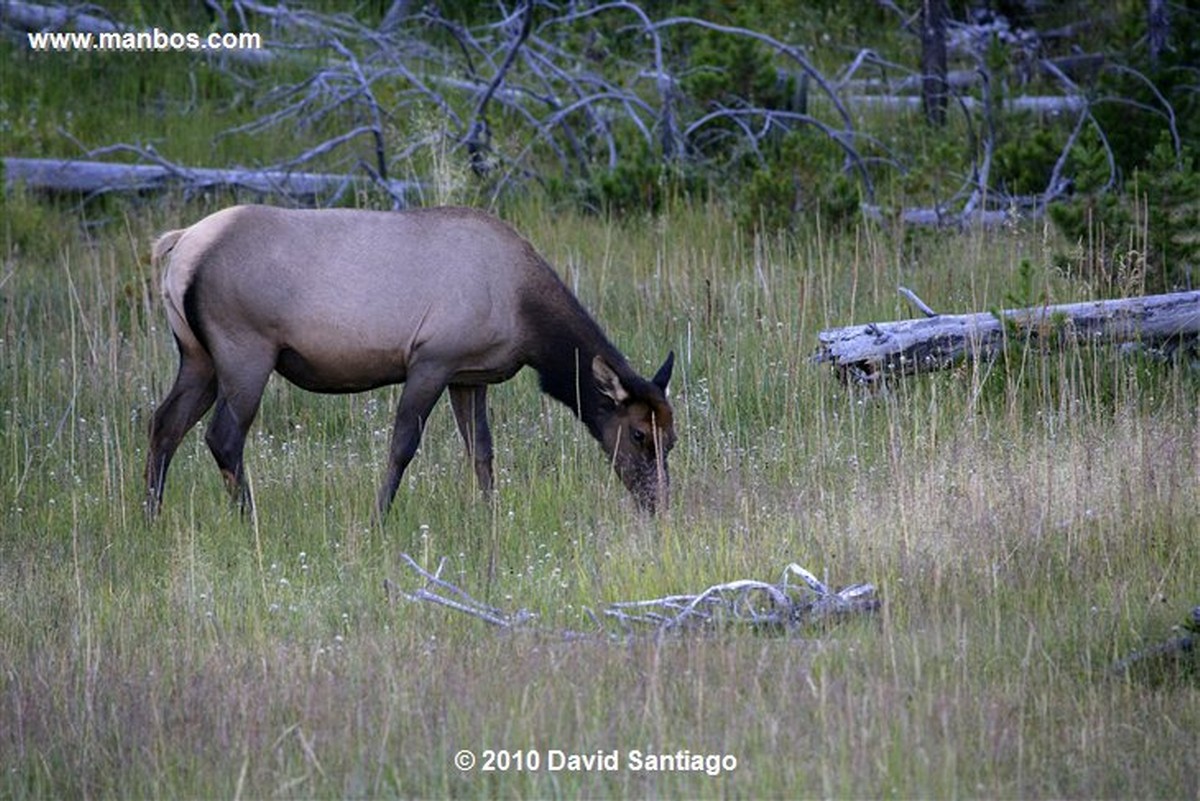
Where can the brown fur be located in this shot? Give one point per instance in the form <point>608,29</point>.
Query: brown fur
<point>345,301</point>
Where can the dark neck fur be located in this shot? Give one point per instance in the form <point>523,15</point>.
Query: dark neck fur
<point>565,340</point>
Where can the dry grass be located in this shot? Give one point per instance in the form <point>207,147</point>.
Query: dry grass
<point>1026,526</point>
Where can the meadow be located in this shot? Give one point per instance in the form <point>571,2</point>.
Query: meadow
<point>1026,523</point>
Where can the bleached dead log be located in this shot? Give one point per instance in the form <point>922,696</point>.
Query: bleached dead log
<point>38,17</point>
<point>1079,66</point>
<point>955,79</point>
<point>940,218</point>
<point>866,354</point>
<point>34,17</point>
<point>1039,104</point>
<point>98,177</point>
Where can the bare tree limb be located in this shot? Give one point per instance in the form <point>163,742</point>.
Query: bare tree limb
<point>364,91</point>
<point>1167,110</point>
<point>745,602</point>
<point>579,113</point>
<point>795,55</point>
<point>478,135</point>
<point>981,170</point>
<point>921,305</point>
<point>435,588</point>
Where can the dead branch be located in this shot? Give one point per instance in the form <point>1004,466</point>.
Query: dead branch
<point>673,146</point>
<point>581,110</point>
<point>796,55</point>
<point>376,115</point>
<point>437,590</point>
<point>295,21</point>
<point>752,603</point>
<point>745,602</point>
<point>478,136</point>
<point>672,143</point>
<point>979,194</point>
<point>552,99</point>
<point>1178,652</point>
<point>921,305</point>
<point>867,354</point>
<point>982,167</point>
<point>977,203</point>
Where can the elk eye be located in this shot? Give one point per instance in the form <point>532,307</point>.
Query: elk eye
<point>639,436</point>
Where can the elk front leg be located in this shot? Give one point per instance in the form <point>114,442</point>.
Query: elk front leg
<point>420,395</point>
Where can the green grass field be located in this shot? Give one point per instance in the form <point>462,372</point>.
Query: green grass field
<point>1026,523</point>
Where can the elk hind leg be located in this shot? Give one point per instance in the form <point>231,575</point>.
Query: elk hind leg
<point>470,413</point>
<point>237,406</point>
<point>191,396</point>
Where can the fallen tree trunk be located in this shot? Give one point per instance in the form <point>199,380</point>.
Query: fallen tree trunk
<point>99,177</point>
<point>38,17</point>
<point>1040,104</point>
<point>941,218</point>
<point>869,353</point>
<point>35,17</point>
<point>1080,67</point>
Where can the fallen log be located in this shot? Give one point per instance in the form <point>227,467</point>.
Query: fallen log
<point>35,17</point>
<point>1079,67</point>
<point>98,177</point>
<point>867,354</point>
<point>940,218</point>
<point>1038,104</point>
<point>38,17</point>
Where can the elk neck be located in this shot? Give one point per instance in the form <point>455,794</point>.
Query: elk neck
<point>564,339</point>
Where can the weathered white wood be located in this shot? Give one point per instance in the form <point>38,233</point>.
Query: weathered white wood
<point>94,177</point>
<point>38,17</point>
<point>1041,104</point>
<point>940,218</point>
<point>867,353</point>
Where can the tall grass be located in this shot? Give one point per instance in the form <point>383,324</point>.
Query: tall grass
<point>1027,522</point>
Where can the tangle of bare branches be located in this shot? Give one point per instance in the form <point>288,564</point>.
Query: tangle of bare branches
<point>744,603</point>
<point>538,95</point>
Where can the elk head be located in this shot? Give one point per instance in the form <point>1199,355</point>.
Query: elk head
<point>637,430</point>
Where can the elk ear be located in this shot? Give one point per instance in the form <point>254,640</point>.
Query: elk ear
<point>608,382</point>
<point>663,376</point>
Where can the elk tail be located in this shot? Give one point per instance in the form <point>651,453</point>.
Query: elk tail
<point>176,279</point>
<point>163,246</point>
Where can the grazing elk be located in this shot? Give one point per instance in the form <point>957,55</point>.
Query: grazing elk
<point>345,301</point>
